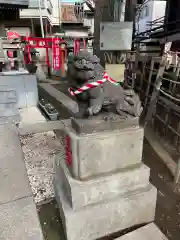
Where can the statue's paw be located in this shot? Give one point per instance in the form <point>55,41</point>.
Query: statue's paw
<point>131,105</point>
<point>93,110</point>
<point>129,108</point>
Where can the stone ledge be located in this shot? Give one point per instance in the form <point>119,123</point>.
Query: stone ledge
<point>99,220</point>
<point>83,193</point>
<point>148,232</point>
<point>66,101</point>
<point>97,124</point>
<point>13,177</point>
<point>104,153</point>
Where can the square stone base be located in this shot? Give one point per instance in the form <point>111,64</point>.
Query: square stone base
<point>102,153</point>
<point>83,193</point>
<point>108,216</point>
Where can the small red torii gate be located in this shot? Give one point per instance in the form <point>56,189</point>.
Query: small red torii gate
<point>59,53</point>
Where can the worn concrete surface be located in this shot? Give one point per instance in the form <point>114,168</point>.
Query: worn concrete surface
<point>98,124</point>
<point>31,115</point>
<point>60,97</point>
<point>19,220</point>
<point>56,102</point>
<point>8,108</point>
<point>102,153</point>
<point>83,193</point>
<point>148,232</point>
<point>18,214</point>
<point>13,177</point>
<point>10,116</point>
<point>25,86</point>
<point>40,127</point>
<point>98,220</point>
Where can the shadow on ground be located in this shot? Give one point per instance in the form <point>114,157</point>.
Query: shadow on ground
<point>168,202</point>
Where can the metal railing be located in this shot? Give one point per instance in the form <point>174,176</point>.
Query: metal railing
<point>158,84</point>
<point>163,28</point>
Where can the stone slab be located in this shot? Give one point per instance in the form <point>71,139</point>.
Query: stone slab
<point>11,119</point>
<point>7,106</point>
<point>8,110</point>
<point>98,220</point>
<point>83,193</point>
<point>13,176</point>
<point>148,232</point>
<point>25,86</point>
<point>63,99</point>
<point>8,96</point>
<point>40,127</point>
<point>63,111</point>
<point>19,221</point>
<point>103,153</point>
<point>96,124</point>
<point>31,115</point>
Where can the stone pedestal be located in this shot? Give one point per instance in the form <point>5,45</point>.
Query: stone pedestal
<point>101,185</point>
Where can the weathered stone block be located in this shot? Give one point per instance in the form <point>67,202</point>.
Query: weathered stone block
<point>25,86</point>
<point>107,217</point>
<point>8,96</point>
<point>14,182</point>
<point>98,124</point>
<point>19,220</point>
<point>83,193</point>
<point>107,152</point>
<point>148,232</point>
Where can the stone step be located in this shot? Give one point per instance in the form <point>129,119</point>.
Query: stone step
<point>83,193</point>
<point>148,232</point>
<point>107,217</point>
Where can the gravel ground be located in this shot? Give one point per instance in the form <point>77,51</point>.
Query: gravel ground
<point>39,154</point>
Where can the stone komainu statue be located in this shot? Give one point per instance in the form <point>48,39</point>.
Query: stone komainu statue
<point>83,74</point>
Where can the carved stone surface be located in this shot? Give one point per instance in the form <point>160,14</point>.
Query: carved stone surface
<point>103,153</point>
<point>100,220</point>
<point>83,193</point>
<point>107,97</point>
<point>99,123</point>
<point>8,96</point>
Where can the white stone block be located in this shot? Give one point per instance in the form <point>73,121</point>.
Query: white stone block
<point>25,86</point>
<point>83,193</point>
<point>106,152</point>
<point>98,220</point>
